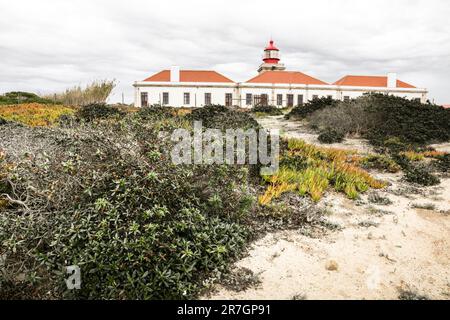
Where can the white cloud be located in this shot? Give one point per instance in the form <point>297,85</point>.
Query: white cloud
<point>46,45</point>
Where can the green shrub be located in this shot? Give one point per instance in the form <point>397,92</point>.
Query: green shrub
<point>96,92</point>
<point>421,175</point>
<point>330,136</point>
<point>19,97</point>
<point>443,162</point>
<point>106,197</point>
<point>410,121</point>
<point>387,121</point>
<point>380,162</point>
<point>268,110</point>
<point>306,109</point>
<point>221,117</point>
<point>95,111</point>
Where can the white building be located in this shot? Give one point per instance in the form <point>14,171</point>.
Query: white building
<point>273,85</point>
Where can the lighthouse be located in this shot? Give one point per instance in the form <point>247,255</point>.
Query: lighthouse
<point>271,59</point>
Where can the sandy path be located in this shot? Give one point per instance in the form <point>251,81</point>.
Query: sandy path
<point>376,252</point>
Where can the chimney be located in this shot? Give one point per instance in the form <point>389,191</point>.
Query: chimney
<point>392,80</point>
<point>175,74</point>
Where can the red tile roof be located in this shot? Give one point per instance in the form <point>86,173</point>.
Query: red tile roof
<point>285,77</point>
<point>190,76</point>
<point>369,81</point>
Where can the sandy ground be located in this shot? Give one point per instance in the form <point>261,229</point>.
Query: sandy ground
<point>379,250</point>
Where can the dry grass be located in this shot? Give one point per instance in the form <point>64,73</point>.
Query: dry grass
<point>96,92</point>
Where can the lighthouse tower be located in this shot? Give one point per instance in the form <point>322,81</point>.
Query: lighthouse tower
<point>271,59</point>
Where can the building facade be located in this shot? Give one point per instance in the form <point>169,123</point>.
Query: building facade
<point>272,86</point>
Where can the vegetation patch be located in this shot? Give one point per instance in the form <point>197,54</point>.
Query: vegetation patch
<point>380,162</point>
<point>378,199</point>
<point>267,110</point>
<point>20,97</point>
<point>301,111</point>
<point>221,117</point>
<point>310,170</point>
<point>96,92</point>
<point>95,111</point>
<point>35,114</point>
<point>104,195</point>
<point>379,117</point>
<point>425,206</point>
<point>421,175</point>
<point>330,136</point>
<point>241,279</point>
<point>410,294</point>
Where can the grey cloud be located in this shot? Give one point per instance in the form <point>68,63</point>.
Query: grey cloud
<point>49,45</point>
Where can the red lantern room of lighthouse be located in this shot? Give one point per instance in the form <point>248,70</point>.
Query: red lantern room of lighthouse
<point>271,59</point>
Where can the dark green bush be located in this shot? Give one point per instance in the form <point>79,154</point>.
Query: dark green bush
<point>443,162</point>
<point>308,108</point>
<point>410,121</point>
<point>156,112</point>
<point>95,111</point>
<point>421,175</point>
<point>330,136</point>
<point>388,121</point>
<point>269,110</point>
<point>107,198</point>
<point>18,97</point>
<point>221,117</point>
<point>380,162</point>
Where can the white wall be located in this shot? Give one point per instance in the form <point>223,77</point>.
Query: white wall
<point>239,91</point>
<point>274,90</point>
<point>176,94</point>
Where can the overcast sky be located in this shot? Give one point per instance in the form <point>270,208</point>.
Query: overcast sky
<point>47,46</point>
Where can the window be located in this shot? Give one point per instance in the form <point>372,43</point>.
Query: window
<point>228,99</point>
<point>279,99</point>
<point>346,98</point>
<point>315,96</point>
<point>186,98</point>
<point>165,98</point>
<point>144,99</point>
<point>290,100</point>
<point>299,99</point>
<point>264,99</point>
<point>207,99</point>
<point>248,99</point>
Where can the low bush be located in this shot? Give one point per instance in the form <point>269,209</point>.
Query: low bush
<point>314,105</point>
<point>106,197</point>
<point>383,119</point>
<point>19,97</point>
<point>221,117</point>
<point>380,162</point>
<point>267,110</point>
<point>95,111</point>
<point>421,175</point>
<point>330,136</point>
<point>443,162</point>
<point>347,117</point>
<point>378,199</point>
